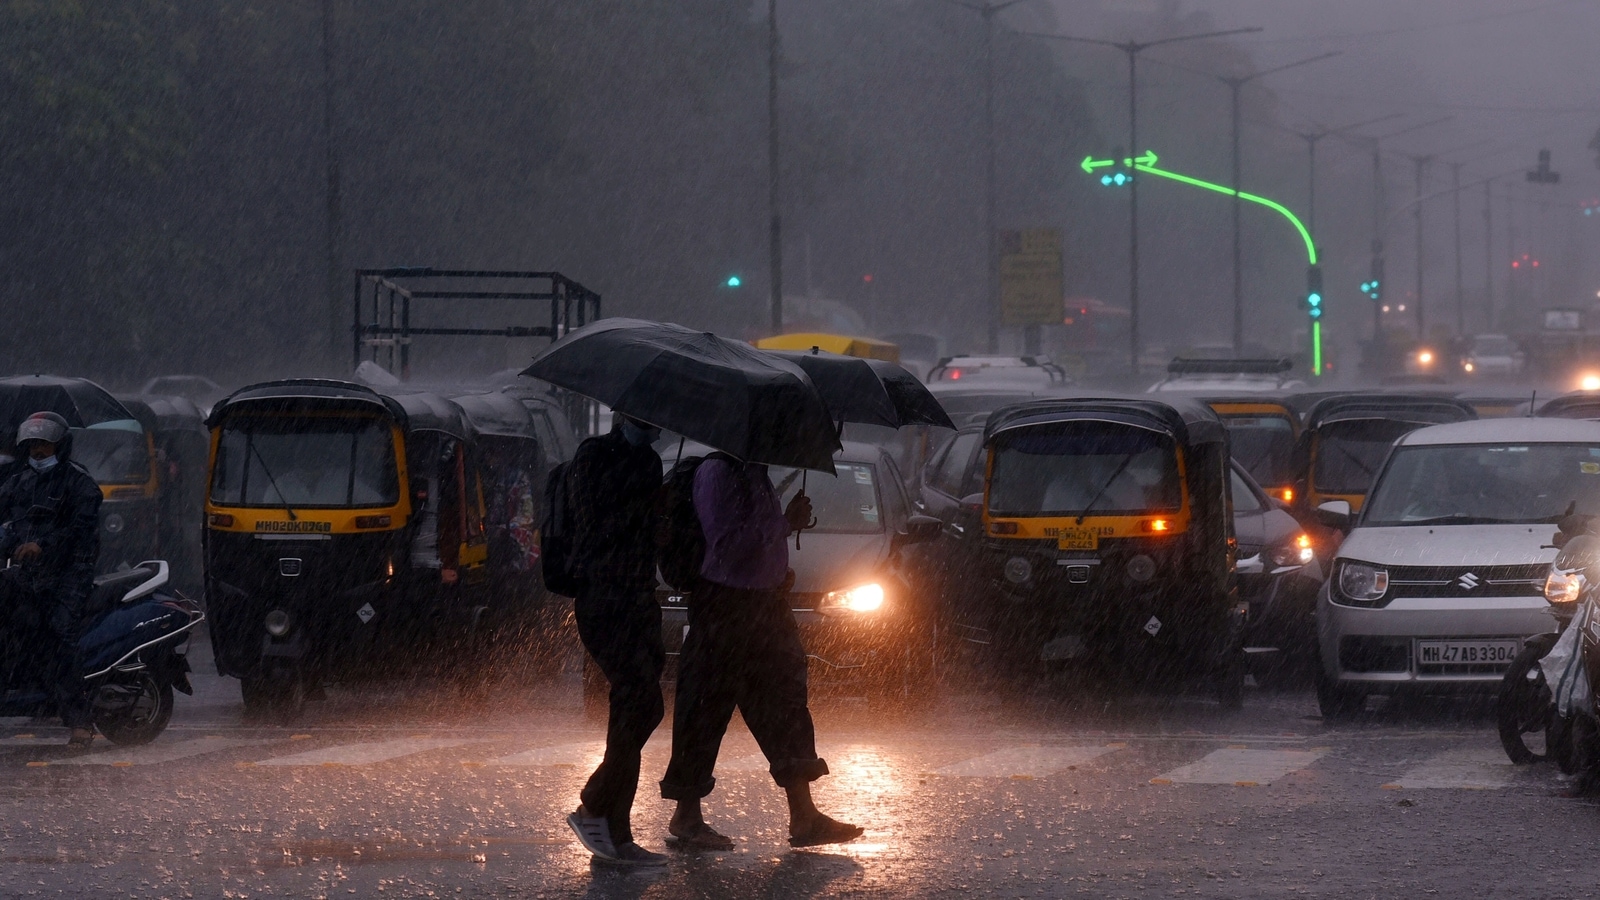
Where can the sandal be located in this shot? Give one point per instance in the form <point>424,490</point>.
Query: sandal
<point>699,836</point>
<point>827,831</point>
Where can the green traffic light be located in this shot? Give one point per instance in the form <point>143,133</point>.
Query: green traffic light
<point>734,281</point>
<point>1314,299</point>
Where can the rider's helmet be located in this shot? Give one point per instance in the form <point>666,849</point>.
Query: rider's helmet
<point>44,426</point>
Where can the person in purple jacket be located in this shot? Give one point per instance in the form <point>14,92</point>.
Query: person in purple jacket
<point>743,650</point>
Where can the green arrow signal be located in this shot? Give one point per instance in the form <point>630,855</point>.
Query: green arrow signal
<point>1089,163</point>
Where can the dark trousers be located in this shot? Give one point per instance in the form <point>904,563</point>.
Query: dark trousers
<point>49,613</point>
<point>622,632</point>
<point>743,650</point>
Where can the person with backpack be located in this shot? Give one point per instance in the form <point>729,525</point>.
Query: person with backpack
<point>743,651</point>
<point>608,562</point>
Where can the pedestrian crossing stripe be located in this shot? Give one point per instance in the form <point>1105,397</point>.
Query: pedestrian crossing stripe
<point>1240,767</point>
<point>1022,763</point>
<point>363,754</point>
<point>156,753</point>
<point>1472,769</point>
<point>579,756</point>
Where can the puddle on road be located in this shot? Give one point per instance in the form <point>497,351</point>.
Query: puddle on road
<point>350,853</point>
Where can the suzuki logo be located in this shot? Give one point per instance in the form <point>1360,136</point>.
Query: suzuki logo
<point>1468,581</point>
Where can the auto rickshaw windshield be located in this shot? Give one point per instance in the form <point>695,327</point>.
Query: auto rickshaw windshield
<point>846,503</point>
<point>271,461</point>
<point>113,452</point>
<point>1072,468</point>
<point>1264,445</point>
<point>1350,452</point>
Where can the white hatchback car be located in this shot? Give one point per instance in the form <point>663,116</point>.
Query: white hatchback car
<point>1442,577</point>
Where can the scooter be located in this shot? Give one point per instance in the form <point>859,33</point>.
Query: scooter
<point>132,657</point>
<point>1546,707</point>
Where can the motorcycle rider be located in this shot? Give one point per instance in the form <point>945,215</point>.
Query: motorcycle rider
<point>49,532</point>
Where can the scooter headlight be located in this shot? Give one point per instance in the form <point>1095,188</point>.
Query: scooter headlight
<point>1362,582</point>
<point>277,623</point>
<point>864,598</point>
<point>1563,587</point>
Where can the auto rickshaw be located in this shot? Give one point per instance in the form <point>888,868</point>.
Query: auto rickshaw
<point>112,444</point>
<point>1105,534</point>
<point>1347,437</point>
<point>345,538</point>
<point>1262,431</point>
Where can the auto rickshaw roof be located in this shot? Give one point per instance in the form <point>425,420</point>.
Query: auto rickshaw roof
<point>78,400</point>
<point>1187,420</point>
<point>1422,409</point>
<point>498,414</point>
<point>1576,405</point>
<point>414,410</point>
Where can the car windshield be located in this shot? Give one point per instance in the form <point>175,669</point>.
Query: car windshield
<point>296,462</point>
<point>1069,468</point>
<point>113,452</point>
<point>1349,453</point>
<point>1264,446</point>
<point>1485,484</point>
<point>846,503</point>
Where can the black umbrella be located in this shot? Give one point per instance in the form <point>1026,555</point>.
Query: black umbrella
<point>80,401</point>
<point>868,391</point>
<point>722,393</point>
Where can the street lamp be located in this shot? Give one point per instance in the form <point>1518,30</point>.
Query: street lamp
<point>1311,138</point>
<point>1133,49</point>
<point>989,11</point>
<point>1235,83</point>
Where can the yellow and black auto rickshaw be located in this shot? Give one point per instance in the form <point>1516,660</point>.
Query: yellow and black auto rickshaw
<point>1346,438</point>
<point>345,537</point>
<point>1106,536</point>
<point>1262,431</point>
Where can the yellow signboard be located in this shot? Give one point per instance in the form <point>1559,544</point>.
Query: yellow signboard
<point>1030,277</point>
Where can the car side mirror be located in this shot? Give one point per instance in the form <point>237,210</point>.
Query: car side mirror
<point>919,530</point>
<point>972,504</point>
<point>1334,514</point>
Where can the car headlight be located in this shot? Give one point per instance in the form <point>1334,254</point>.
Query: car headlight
<point>1563,587</point>
<point>1359,581</point>
<point>1297,551</point>
<point>114,523</point>
<point>863,598</point>
<point>277,623</point>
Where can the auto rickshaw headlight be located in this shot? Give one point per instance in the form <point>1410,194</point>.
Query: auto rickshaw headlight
<point>1018,570</point>
<point>1141,568</point>
<point>1563,587</point>
<point>1359,581</point>
<point>277,623</point>
<point>1297,551</point>
<point>114,523</point>
<point>863,598</point>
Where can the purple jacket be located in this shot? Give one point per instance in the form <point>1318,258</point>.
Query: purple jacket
<point>742,517</point>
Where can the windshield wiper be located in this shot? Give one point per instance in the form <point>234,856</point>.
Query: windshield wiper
<point>251,443</point>
<point>1105,487</point>
<point>1464,519</point>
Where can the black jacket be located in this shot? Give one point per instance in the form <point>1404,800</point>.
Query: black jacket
<point>60,511</point>
<point>614,491</point>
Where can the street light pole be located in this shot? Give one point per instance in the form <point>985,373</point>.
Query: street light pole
<point>1133,49</point>
<point>775,233</point>
<point>1488,253</point>
<point>1235,85</point>
<point>1416,215</point>
<point>1461,291</point>
<point>335,226</point>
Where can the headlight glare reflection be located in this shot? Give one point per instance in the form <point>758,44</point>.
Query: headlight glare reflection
<point>864,598</point>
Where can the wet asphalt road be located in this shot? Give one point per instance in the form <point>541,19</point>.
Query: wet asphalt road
<point>405,792</point>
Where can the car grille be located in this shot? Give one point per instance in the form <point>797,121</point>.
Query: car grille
<point>1461,582</point>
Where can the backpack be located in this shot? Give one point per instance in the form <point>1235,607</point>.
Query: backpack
<point>555,535</point>
<point>681,547</point>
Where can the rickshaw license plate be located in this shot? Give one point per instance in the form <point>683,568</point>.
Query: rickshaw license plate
<point>1078,539</point>
<point>1466,653</point>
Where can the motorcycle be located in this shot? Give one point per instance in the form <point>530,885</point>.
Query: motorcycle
<point>132,656</point>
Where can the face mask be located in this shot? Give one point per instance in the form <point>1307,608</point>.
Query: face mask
<point>639,437</point>
<point>42,465</point>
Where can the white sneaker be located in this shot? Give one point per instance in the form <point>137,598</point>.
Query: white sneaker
<point>594,833</point>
